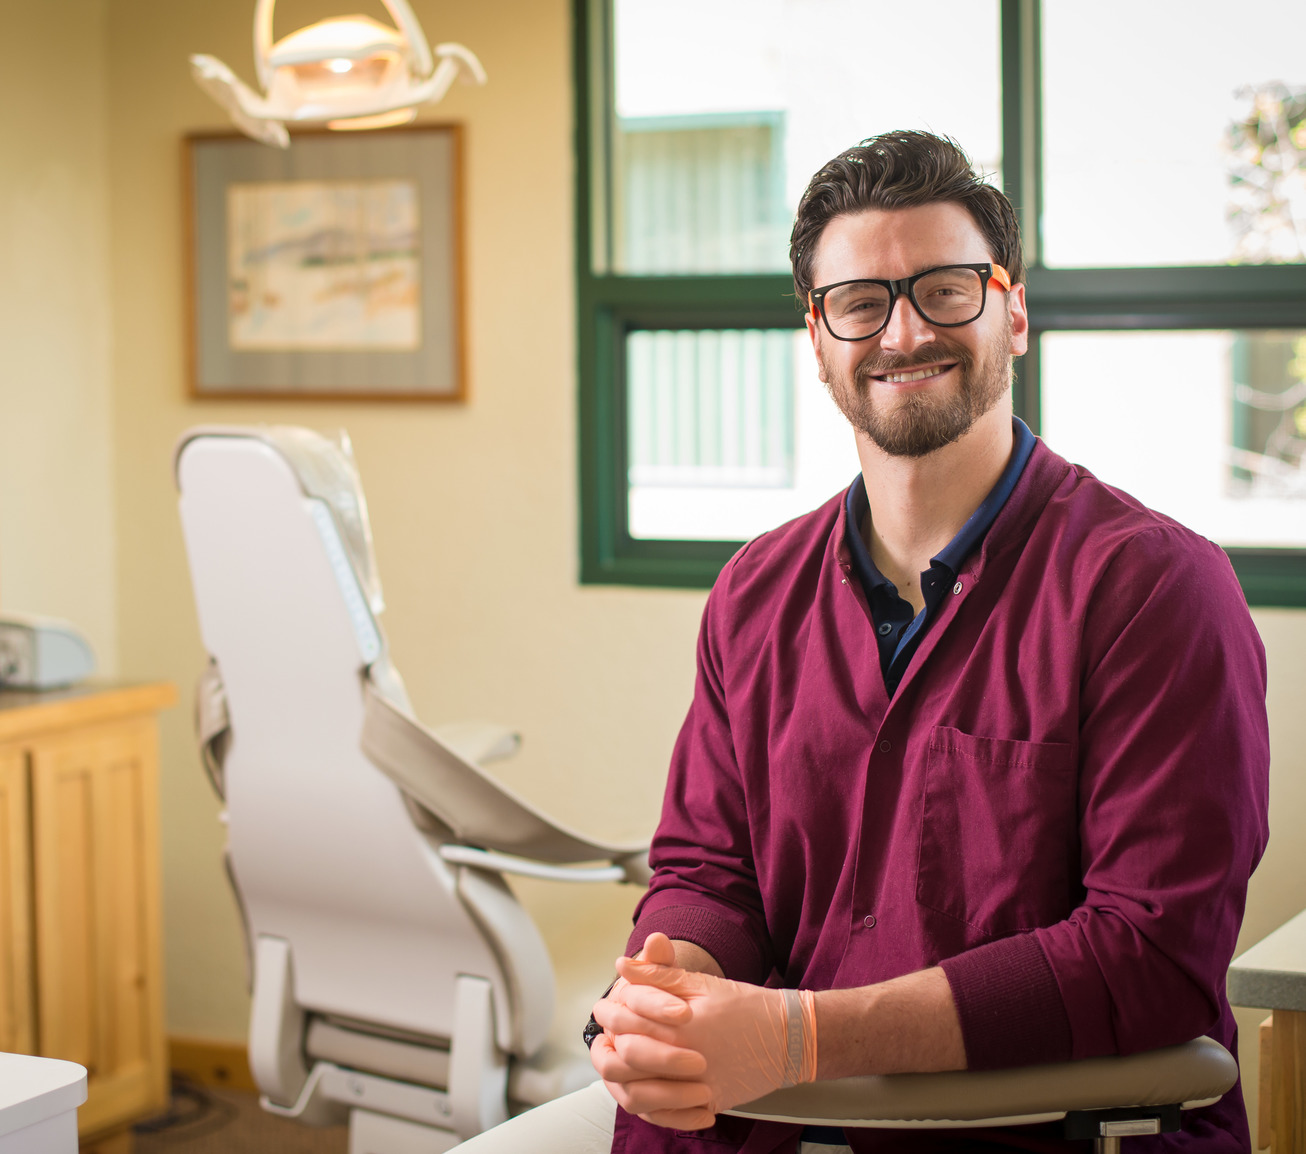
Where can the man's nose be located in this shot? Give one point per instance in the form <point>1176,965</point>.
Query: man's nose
<point>907,330</point>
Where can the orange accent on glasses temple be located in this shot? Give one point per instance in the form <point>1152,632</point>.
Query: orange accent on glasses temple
<point>1003,278</point>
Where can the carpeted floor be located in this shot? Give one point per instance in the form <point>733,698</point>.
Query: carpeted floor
<point>202,1120</point>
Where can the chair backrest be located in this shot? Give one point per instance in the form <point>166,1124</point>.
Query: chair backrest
<point>323,849</point>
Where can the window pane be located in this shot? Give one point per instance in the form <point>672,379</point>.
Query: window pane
<point>712,148</point>
<point>1207,427</point>
<point>1140,164</point>
<point>730,433</point>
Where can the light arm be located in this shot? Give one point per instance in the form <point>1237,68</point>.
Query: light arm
<point>907,1025</point>
<point>695,960</point>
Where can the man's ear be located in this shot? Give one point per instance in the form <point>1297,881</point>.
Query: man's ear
<point>815,334</point>
<point>1019,320</point>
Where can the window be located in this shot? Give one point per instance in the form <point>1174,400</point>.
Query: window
<point>1164,221</point>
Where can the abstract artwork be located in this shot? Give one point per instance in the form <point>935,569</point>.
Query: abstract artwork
<point>317,265</point>
<point>330,270</point>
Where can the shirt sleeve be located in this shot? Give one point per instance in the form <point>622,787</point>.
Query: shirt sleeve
<point>704,888</point>
<point>1173,798</point>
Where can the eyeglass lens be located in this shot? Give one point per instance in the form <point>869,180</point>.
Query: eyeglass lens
<point>946,296</point>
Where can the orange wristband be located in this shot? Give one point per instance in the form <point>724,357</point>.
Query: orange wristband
<point>800,1030</point>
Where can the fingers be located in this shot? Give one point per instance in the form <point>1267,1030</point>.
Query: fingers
<point>641,1005</point>
<point>631,1057</point>
<point>618,1019</point>
<point>656,1057</point>
<point>698,1118</point>
<point>658,950</point>
<point>652,1096</point>
<point>609,1064</point>
<point>670,978</point>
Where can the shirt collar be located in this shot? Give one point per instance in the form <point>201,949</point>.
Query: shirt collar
<point>955,552</point>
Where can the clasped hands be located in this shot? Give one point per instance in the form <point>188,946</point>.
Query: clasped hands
<point>678,1047</point>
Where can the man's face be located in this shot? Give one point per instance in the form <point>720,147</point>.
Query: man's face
<point>914,388</point>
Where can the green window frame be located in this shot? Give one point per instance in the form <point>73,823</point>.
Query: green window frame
<point>1243,297</point>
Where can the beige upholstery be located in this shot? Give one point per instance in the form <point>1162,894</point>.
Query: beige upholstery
<point>1195,1074</point>
<point>479,810</point>
<point>395,975</point>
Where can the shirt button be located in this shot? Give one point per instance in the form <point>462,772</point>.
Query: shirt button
<point>885,629</point>
<point>869,921</point>
<point>957,587</point>
<point>885,746</point>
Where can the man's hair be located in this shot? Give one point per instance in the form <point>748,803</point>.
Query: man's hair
<point>902,170</point>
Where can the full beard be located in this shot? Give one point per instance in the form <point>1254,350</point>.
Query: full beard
<point>918,423</point>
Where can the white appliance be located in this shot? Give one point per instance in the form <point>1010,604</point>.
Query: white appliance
<point>42,653</point>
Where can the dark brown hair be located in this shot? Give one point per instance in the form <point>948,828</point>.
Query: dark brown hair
<point>902,170</point>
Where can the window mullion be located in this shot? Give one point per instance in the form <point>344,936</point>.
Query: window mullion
<point>1022,118</point>
<point>1022,176</point>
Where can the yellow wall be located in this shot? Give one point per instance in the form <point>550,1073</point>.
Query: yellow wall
<point>474,507</point>
<point>56,443</point>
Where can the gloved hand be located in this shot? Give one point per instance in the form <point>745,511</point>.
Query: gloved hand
<point>750,1041</point>
<point>672,1063</point>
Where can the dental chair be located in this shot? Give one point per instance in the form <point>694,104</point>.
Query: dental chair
<point>396,981</point>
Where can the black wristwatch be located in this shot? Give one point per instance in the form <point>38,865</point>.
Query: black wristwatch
<point>592,1028</point>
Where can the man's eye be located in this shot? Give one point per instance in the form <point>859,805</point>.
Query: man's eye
<point>947,286</point>
<point>863,301</point>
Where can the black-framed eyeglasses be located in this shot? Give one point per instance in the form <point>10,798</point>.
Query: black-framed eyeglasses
<point>949,296</point>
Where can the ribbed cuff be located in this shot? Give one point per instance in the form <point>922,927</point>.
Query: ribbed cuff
<point>1009,1004</point>
<point>735,952</point>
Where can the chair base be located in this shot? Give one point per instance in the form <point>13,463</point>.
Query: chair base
<point>371,1133</point>
<point>1108,1127</point>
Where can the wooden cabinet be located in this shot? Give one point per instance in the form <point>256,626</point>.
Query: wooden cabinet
<point>80,952</point>
<point>1272,975</point>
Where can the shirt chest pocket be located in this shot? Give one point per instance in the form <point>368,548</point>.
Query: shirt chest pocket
<point>999,832</point>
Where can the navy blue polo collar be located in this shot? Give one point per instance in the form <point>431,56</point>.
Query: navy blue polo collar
<point>898,629</point>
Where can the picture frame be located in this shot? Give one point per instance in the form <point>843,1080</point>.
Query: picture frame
<point>330,270</point>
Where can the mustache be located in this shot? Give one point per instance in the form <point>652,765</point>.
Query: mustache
<point>879,363</point>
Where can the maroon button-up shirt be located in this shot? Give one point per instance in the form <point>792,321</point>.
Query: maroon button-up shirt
<point>1061,805</point>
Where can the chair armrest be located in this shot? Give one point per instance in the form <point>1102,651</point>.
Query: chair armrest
<point>478,809</point>
<point>511,864</point>
<point>1194,1074</point>
<point>479,741</point>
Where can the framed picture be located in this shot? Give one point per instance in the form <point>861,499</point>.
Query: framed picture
<point>328,270</point>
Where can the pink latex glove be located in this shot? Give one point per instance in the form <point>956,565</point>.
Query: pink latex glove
<point>667,1088</point>
<point>741,1036</point>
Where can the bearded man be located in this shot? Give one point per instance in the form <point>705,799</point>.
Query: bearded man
<point>976,770</point>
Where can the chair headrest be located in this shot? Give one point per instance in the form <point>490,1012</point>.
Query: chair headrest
<point>326,470</point>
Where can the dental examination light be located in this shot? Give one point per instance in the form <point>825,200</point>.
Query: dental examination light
<point>348,72</point>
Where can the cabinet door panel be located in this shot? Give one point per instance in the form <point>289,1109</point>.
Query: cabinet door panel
<point>120,902</point>
<point>64,787</point>
<point>17,1025</point>
<point>94,830</point>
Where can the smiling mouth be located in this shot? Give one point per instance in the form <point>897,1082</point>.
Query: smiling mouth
<point>909,377</point>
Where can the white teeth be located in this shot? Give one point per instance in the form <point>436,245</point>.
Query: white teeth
<point>903,378</point>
